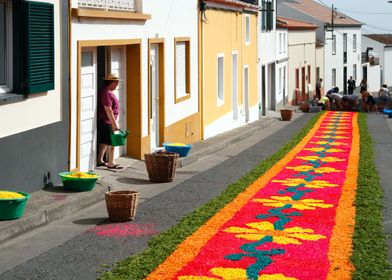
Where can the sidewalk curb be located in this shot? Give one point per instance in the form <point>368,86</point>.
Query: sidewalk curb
<point>77,201</point>
<point>222,141</point>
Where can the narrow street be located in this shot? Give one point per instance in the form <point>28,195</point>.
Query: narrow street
<point>74,248</point>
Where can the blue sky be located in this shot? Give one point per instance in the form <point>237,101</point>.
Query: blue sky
<point>375,13</point>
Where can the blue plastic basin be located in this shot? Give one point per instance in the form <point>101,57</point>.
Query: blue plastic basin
<point>181,150</point>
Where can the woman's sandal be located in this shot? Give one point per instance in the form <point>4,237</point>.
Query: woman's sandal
<point>116,166</point>
<point>101,164</point>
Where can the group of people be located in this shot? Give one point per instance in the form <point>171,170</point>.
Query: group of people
<point>333,100</point>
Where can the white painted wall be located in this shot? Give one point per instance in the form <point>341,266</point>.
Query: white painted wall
<point>302,52</point>
<point>336,61</point>
<point>387,73</point>
<point>320,65</point>
<point>39,109</point>
<point>281,72</point>
<point>373,77</point>
<point>266,54</point>
<point>226,122</point>
<point>169,19</point>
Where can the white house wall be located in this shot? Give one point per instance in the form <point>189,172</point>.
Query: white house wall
<point>169,19</point>
<point>320,63</point>
<point>336,61</point>
<point>38,109</point>
<point>373,77</point>
<point>388,66</point>
<point>281,66</point>
<point>302,52</point>
<point>266,55</point>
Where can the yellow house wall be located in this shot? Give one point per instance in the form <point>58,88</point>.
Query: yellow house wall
<point>224,33</point>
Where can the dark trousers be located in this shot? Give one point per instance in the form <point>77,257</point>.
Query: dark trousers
<point>350,90</point>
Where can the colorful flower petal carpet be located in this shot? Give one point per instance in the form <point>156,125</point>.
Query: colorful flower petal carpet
<point>294,222</point>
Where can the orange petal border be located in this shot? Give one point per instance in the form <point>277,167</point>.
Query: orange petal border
<point>192,245</point>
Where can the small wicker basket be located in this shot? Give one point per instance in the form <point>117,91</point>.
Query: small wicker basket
<point>121,205</point>
<point>161,166</point>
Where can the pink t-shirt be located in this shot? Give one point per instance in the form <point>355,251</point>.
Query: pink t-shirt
<point>107,98</point>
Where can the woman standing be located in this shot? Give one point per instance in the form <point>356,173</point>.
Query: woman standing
<point>108,106</point>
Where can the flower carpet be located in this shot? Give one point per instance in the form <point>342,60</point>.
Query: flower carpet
<point>294,222</point>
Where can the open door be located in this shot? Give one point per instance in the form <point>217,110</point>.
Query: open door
<point>88,109</point>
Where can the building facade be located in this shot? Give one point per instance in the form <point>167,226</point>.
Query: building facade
<point>302,59</point>
<point>228,65</point>
<point>340,35</point>
<point>153,47</point>
<point>33,93</point>
<point>381,44</point>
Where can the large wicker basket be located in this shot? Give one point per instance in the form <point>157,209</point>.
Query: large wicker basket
<point>161,166</point>
<point>121,205</point>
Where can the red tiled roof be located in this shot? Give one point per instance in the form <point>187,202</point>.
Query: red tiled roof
<point>385,39</point>
<point>235,3</point>
<point>293,24</point>
<point>321,12</point>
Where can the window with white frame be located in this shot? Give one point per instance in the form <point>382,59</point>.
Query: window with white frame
<point>284,42</point>
<point>5,46</point>
<point>354,42</point>
<point>333,44</point>
<point>355,72</point>
<point>334,77</point>
<point>220,79</point>
<point>182,69</point>
<point>247,29</point>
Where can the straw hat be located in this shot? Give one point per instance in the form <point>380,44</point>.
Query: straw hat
<point>111,77</point>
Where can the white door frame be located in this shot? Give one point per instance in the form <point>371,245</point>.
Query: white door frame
<point>154,95</point>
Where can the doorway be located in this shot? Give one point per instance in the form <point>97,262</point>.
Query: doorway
<point>156,94</point>
<point>235,85</point>
<point>246,92</point>
<point>345,79</point>
<point>303,88</point>
<point>263,89</point>
<point>271,80</point>
<point>96,59</point>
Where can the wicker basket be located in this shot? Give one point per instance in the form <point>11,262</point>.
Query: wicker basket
<point>161,166</point>
<point>286,114</point>
<point>121,205</point>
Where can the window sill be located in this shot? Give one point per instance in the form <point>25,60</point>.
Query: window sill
<point>11,98</point>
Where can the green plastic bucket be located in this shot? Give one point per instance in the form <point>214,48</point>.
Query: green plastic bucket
<point>13,208</point>
<point>78,184</point>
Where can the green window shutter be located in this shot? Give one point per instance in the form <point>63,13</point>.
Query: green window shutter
<point>39,47</point>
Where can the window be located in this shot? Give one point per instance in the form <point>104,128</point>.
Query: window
<point>355,72</point>
<point>284,42</point>
<point>182,69</point>
<point>35,36</point>
<point>220,79</point>
<point>333,44</point>
<point>247,29</point>
<point>334,77</point>
<point>354,42</point>
<point>267,15</point>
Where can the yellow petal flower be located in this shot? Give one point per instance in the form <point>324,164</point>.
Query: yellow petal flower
<point>292,235</point>
<point>304,204</point>
<point>235,274</point>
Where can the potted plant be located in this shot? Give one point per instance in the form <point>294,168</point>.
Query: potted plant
<point>286,114</point>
